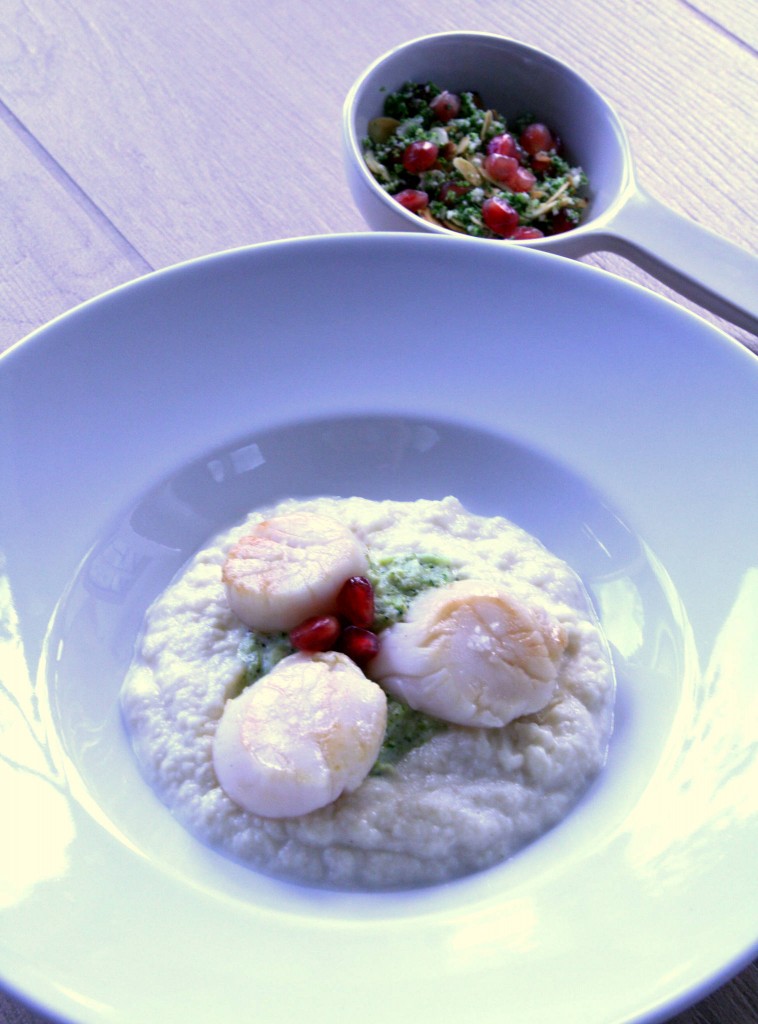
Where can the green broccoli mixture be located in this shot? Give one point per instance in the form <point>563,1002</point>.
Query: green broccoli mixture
<point>405,730</point>
<point>259,653</point>
<point>453,191</point>
<point>396,581</point>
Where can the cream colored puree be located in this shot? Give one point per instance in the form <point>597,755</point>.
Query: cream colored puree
<point>463,801</point>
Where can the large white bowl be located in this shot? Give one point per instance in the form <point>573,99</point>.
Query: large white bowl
<point>614,426</point>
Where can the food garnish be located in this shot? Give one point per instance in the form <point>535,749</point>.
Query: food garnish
<point>363,607</point>
<point>432,649</point>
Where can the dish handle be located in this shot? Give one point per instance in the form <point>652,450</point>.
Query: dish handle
<point>696,262</point>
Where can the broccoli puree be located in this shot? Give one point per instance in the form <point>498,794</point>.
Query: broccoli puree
<point>406,729</point>
<point>396,581</point>
<point>261,651</point>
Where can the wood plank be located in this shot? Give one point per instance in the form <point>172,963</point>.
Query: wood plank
<point>226,132</point>
<point>212,122</point>
<point>55,252</point>
<point>739,20</point>
<point>218,91</point>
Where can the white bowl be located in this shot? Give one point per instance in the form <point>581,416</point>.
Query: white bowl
<point>622,216</point>
<point>514,79</point>
<point>612,425</point>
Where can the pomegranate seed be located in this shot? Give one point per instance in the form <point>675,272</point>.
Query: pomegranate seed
<point>536,138</point>
<point>412,199</point>
<point>561,222</point>
<point>450,190</point>
<point>318,633</point>
<point>500,167</point>
<point>446,106</point>
<point>521,180</point>
<point>504,144</point>
<point>355,602</point>
<point>419,156</point>
<point>359,644</point>
<point>526,232</point>
<point>499,216</point>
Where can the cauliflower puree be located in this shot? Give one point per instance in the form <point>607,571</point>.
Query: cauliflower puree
<point>462,801</point>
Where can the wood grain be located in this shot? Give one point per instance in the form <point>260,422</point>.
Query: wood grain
<point>739,20</point>
<point>55,251</point>
<point>134,135</point>
<point>194,132</point>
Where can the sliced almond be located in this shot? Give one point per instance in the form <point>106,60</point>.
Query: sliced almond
<point>453,225</point>
<point>467,170</point>
<point>377,169</point>
<point>554,201</point>
<point>427,216</point>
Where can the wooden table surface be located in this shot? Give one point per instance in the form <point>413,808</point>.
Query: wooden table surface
<point>135,135</point>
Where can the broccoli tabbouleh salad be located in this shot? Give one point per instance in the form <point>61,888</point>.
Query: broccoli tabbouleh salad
<point>457,164</point>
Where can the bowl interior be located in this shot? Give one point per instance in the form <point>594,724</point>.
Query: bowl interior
<point>515,79</point>
<point>394,366</point>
